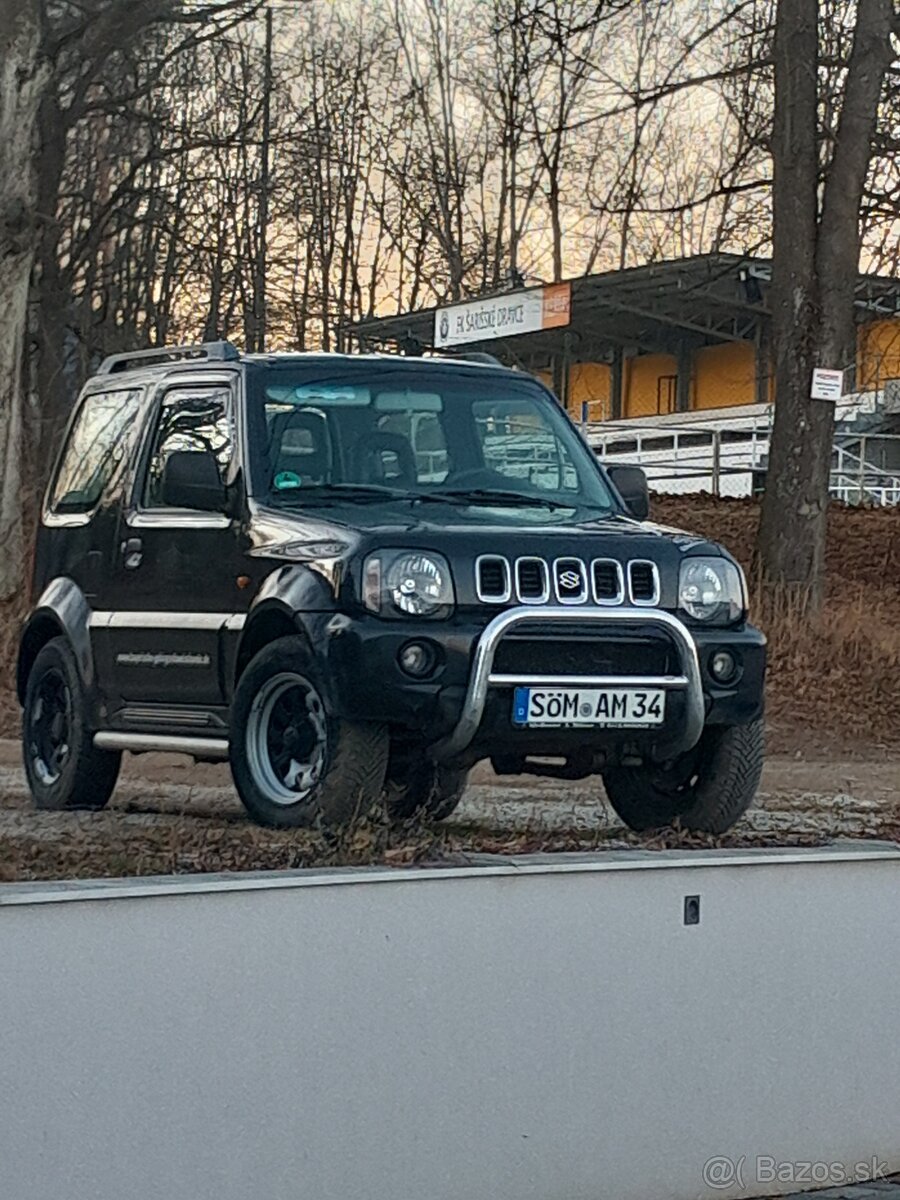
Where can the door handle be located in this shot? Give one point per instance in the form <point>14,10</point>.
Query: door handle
<point>133,553</point>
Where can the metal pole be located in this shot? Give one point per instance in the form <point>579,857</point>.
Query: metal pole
<point>262,255</point>
<point>717,461</point>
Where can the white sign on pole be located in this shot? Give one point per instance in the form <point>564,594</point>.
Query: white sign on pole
<point>827,385</point>
<point>503,316</point>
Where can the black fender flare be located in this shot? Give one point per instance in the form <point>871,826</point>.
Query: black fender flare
<point>61,611</point>
<point>293,600</point>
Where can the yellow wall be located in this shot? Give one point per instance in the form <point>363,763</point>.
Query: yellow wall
<point>643,393</point>
<point>724,375</point>
<point>590,383</point>
<point>878,358</point>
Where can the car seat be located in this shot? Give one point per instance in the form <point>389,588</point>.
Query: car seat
<point>385,458</point>
<point>309,458</point>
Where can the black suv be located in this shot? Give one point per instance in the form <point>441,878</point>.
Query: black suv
<point>354,577</point>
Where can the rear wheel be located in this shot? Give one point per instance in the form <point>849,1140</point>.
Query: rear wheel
<point>423,788</point>
<point>708,789</point>
<point>294,763</point>
<point>63,767</point>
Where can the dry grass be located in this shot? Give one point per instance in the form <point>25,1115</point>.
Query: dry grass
<point>104,846</point>
<point>835,678</point>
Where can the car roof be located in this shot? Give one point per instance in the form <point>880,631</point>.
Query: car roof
<point>163,361</point>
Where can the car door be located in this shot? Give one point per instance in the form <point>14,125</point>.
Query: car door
<point>174,591</point>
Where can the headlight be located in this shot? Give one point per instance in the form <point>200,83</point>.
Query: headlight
<point>410,582</point>
<point>712,590</point>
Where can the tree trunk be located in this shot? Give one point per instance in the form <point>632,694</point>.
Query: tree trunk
<point>22,77</point>
<point>792,529</point>
<point>815,267</point>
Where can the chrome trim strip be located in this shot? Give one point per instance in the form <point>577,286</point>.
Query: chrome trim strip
<point>654,570</point>
<point>57,520</point>
<point>167,620</point>
<point>169,716</point>
<point>507,593</point>
<point>611,601</point>
<point>144,743</point>
<point>545,576</point>
<point>166,518</point>
<point>582,596</point>
<point>611,681</point>
<point>483,662</point>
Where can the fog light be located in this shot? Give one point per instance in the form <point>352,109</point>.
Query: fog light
<point>722,666</point>
<point>417,659</point>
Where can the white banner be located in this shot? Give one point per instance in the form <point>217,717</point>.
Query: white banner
<point>503,316</point>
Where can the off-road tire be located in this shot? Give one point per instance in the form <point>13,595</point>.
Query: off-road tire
<point>423,789</point>
<point>86,778</point>
<point>707,790</point>
<point>353,758</point>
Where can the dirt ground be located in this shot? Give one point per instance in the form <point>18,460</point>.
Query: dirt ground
<point>170,816</point>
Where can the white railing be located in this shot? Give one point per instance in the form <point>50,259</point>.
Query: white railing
<point>727,458</point>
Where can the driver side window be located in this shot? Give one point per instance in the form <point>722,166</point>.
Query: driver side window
<point>192,420</point>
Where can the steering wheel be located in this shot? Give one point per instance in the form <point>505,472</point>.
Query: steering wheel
<point>480,477</point>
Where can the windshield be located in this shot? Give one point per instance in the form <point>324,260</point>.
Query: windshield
<point>385,435</point>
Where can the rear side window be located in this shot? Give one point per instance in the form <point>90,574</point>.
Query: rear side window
<point>99,443</point>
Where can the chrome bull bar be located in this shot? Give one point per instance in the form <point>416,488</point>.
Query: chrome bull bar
<point>483,677</point>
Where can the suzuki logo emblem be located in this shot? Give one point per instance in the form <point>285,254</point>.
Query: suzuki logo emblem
<point>570,580</point>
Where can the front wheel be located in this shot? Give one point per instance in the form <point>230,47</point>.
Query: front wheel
<point>423,788</point>
<point>295,764</point>
<point>708,789</point>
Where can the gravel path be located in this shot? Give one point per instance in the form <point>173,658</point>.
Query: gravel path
<point>837,797</point>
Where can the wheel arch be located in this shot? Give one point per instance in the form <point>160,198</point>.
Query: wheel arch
<point>266,624</point>
<point>62,611</point>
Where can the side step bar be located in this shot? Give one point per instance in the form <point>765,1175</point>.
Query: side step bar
<point>143,743</point>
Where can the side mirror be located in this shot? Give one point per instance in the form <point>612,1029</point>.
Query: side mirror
<point>191,479</point>
<point>631,484</point>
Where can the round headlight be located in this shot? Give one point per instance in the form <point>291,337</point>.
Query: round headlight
<point>419,584</point>
<point>711,589</point>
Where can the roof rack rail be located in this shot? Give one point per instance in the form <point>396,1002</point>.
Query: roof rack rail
<point>210,351</point>
<point>474,356</point>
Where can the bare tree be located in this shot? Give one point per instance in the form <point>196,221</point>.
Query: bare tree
<point>22,80</point>
<point>815,270</point>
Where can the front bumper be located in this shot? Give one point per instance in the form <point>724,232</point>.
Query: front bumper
<point>465,709</point>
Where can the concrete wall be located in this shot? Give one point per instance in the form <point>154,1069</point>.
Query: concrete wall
<point>545,1030</point>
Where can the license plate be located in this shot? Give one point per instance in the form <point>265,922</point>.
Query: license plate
<point>614,708</point>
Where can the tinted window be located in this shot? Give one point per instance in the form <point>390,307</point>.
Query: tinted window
<point>412,434</point>
<point>192,420</point>
<point>99,443</point>
<point>425,433</point>
<point>518,441</point>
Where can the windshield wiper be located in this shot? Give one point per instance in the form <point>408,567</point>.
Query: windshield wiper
<point>492,496</point>
<point>343,491</point>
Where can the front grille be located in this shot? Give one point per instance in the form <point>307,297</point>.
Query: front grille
<point>609,581</point>
<point>570,581</point>
<point>532,580</point>
<point>492,582</point>
<point>643,582</point>
<point>575,656</point>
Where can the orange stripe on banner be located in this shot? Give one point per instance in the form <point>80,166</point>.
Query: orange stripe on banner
<point>557,306</point>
